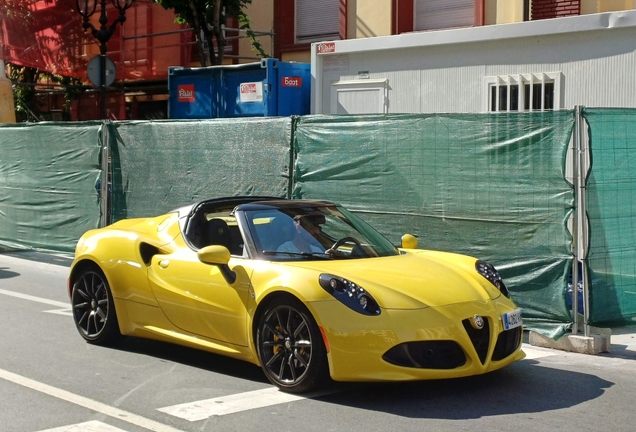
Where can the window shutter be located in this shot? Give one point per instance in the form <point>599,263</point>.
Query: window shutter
<point>317,20</point>
<point>440,14</point>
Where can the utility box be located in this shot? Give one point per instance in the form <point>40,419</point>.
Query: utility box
<point>262,89</point>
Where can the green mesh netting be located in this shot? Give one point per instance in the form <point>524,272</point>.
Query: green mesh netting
<point>611,206</point>
<point>48,174</point>
<point>159,166</point>
<point>485,185</point>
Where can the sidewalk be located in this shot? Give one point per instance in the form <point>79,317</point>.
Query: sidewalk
<point>617,342</point>
<point>623,343</point>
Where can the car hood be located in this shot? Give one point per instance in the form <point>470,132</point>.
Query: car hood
<point>415,279</point>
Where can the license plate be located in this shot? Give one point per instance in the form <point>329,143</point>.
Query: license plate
<point>512,319</point>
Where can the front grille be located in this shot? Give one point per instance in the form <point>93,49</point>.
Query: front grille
<point>507,343</point>
<point>427,355</point>
<point>480,338</point>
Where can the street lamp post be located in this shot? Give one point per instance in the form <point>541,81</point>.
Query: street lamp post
<point>86,9</point>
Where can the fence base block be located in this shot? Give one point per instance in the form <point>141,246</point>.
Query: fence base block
<point>593,344</point>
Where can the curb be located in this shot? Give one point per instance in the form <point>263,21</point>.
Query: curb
<point>593,344</point>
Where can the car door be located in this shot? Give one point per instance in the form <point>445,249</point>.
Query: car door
<point>196,297</point>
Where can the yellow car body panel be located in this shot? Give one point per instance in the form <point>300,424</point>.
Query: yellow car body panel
<point>357,346</point>
<point>196,298</point>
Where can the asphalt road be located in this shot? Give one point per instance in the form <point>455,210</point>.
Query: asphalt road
<point>51,380</point>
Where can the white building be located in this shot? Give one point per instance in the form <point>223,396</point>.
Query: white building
<point>585,60</point>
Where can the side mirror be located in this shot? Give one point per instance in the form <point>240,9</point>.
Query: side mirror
<point>215,255</point>
<point>409,241</point>
<point>218,256</point>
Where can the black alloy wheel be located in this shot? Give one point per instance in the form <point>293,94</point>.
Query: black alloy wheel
<point>93,309</point>
<point>290,347</point>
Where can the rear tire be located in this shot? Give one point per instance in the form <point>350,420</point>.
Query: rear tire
<point>93,307</point>
<point>290,347</point>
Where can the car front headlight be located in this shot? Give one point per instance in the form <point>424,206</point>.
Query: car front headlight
<point>351,295</point>
<point>489,271</point>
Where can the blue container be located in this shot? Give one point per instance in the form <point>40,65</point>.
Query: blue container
<point>268,88</point>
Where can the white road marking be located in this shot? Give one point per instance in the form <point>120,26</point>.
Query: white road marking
<point>535,353</point>
<point>203,409</point>
<point>90,404</point>
<point>35,299</point>
<point>66,311</point>
<point>66,308</point>
<point>90,426</point>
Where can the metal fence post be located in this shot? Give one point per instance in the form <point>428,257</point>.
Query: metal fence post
<point>584,166</point>
<point>580,234</point>
<point>576,143</point>
<point>105,192</point>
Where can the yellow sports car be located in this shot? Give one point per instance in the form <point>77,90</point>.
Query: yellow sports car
<point>303,288</point>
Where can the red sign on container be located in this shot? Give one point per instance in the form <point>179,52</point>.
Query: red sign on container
<point>293,81</point>
<point>186,93</point>
<point>248,88</point>
<point>326,48</point>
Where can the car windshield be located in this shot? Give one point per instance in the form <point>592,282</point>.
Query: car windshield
<point>314,233</point>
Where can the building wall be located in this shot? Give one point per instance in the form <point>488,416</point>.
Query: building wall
<point>597,6</point>
<point>368,18</point>
<point>373,18</point>
<point>503,11</point>
<point>297,56</point>
<point>543,9</point>
<point>261,16</point>
<point>596,67</point>
<point>159,51</point>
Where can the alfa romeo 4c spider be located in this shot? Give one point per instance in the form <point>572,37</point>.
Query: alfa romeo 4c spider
<point>303,288</point>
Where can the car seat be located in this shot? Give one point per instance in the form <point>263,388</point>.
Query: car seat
<point>218,233</point>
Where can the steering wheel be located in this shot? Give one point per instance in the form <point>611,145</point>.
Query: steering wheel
<point>344,240</point>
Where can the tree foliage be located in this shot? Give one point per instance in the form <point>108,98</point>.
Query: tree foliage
<point>207,18</point>
<point>25,82</point>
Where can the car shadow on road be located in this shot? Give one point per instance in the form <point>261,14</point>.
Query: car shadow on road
<point>193,357</point>
<point>522,387</point>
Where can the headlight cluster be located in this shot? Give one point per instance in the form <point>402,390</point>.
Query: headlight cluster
<point>351,295</point>
<point>489,271</point>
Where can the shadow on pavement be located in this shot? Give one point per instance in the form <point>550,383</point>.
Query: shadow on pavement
<point>522,387</point>
<point>623,343</point>
<point>6,274</point>
<point>192,357</point>
<point>60,258</point>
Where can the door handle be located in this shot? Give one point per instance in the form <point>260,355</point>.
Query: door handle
<point>164,263</point>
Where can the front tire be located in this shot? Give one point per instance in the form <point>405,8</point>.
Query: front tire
<point>93,308</point>
<point>290,347</point>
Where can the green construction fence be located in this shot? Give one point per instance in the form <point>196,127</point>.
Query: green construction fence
<point>487,185</point>
<point>611,210</point>
<point>48,174</point>
<point>161,165</point>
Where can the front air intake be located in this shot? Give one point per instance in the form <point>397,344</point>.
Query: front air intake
<point>479,337</point>
<point>427,355</point>
<point>507,343</point>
